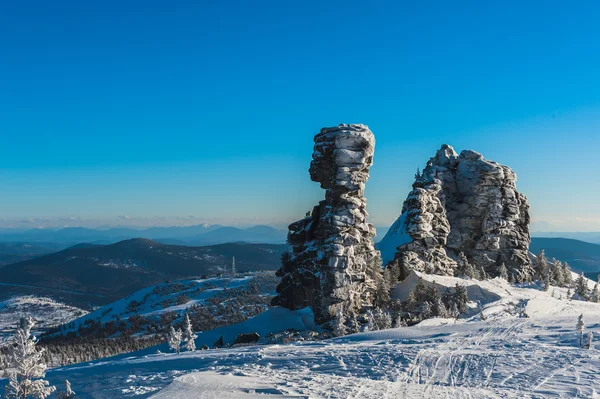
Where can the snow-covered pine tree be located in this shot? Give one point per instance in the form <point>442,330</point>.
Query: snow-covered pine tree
<point>581,287</point>
<point>426,311</point>
<point>339,324</point>
<point>569,294</point>
<point>595,295</point>
<point>188,334</point>
<point>590,338</point>
<point>439,309</point>
<point>567,275</point>
<point>68,393</point>
<point>384,319</point>
<point>462,297</point>
<point>503,271</point>
<point>556,269</point>
<point>382,295</point>
<point>175,339</point>
<point>398,322</point>
<point>580,325</point>
<point>411,302</point>
<point>540,266</point>
<point>27,369</point>
<point>454,312</point>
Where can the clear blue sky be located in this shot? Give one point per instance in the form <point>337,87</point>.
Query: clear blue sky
<point>207,109</point>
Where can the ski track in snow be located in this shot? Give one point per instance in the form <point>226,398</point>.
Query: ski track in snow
<point>505,356</point>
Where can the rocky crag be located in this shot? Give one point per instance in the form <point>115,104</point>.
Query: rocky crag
<point>334,265</point>
<point>461,204</point>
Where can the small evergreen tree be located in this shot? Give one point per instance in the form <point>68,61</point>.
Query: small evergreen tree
<point>175,339</point>
<point>68,393</point>
<point>581,287</point>
<point>188,334</point>
<point>590,338</point>
<point>27,368</point>
<point>580,325</point>
<point>426,311</point>
<point>567,275</point>
<point>439,309</point>
<point>411,302</point>
<point>595,295</point>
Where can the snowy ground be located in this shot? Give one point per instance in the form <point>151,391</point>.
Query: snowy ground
<point>46,311</point>
<point>503,356</point>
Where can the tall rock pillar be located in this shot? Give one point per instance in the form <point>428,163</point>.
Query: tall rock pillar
<point>334,264</point>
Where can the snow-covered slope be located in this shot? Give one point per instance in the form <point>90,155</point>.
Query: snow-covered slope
<point>46,311</point>
<point>506,355</point>
<point>177,297</point>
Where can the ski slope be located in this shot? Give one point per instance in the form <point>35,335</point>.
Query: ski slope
<point>504,356</point>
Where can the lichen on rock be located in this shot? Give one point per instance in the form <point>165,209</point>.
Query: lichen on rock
<point>333,264</point>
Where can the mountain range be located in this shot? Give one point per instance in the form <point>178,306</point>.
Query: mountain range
<point>187,235</point>
<point>104,273</point>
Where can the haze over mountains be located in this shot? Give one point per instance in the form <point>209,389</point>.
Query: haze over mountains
<point>202,234</point>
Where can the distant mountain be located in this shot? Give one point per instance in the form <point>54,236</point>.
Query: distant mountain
<point>256,234</point>
<point>188,235</point>
<point>12,252</point>
<point>592,237</point>
<point>110,272</point>
<point>582,256</point>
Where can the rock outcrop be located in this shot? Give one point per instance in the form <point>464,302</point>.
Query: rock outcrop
<point>462,204</point>
<point>334,265</point>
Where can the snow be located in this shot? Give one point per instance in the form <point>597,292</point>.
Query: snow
<point>46,311</point>
<point>504,356</point>
<point>395,237</point>
<point>154,300</point>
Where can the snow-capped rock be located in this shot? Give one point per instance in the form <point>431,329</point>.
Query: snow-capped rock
<point>334,264</point>
<point>462,204</point>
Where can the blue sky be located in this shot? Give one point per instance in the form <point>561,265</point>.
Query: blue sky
<point>117,112</point>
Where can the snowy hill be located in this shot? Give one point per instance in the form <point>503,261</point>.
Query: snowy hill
<point>500,355</point>
<point>46,311</point>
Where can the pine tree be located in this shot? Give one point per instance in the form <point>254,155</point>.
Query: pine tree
<point>590,338</point>
<point>175,339</point>
<point>439,309</point>
<point>27,368</point>
<point>581,287</point>
<point>595,295</point>
<point>411,302</point>
<point>462,297</point>
<point>503,271</point>
<point>567,276</point>
<point>426,311</point>
<point>188,334</point>
<point>233,271</point>
<point>569,293</point>
<point>68,393</point>
<point>339,324</point>
<point>557,273</point>
<point>398,322</point>
<point>541,266</point>
<point>454,312</point>
<point>580,327</point>
<point>382,294</point>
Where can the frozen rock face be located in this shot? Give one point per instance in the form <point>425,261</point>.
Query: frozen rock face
<point>464,204</point>
<point>334,264</point>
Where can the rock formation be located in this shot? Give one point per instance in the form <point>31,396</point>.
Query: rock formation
<point>462,204</point>
<point>334,264</point>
